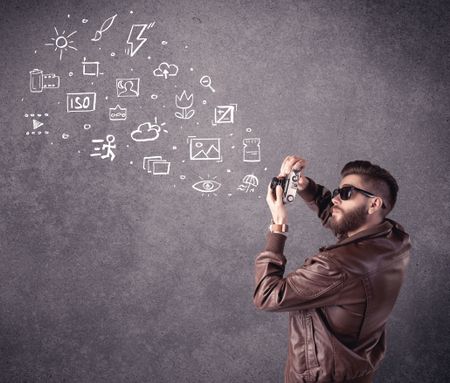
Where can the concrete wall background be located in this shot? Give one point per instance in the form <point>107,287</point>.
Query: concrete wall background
<point>111,274</point>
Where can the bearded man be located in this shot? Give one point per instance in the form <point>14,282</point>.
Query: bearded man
<point>340,299</point>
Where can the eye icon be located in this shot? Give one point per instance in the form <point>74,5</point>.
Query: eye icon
<point>207,186</point>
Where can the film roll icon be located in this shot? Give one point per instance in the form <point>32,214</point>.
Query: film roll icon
<point>40,81</point>
<point>36,81</point>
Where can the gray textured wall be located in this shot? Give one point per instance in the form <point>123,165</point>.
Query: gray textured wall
<point>111,274</point>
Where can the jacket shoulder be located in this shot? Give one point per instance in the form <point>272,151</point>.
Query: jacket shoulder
<point>370,255</point>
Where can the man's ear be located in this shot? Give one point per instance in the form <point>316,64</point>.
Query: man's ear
<point>375,205</point>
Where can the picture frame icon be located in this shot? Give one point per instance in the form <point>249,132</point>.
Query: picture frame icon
<point>204,149</point>
<point>156,165</point>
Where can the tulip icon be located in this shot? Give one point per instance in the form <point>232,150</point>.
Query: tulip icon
<point>184,102</point>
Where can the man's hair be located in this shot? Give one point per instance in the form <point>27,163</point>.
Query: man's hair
<point>378,180</point>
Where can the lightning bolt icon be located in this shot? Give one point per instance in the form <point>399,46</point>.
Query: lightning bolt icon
<point>135,39</point>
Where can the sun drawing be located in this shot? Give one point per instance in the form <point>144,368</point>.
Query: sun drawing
<point>62,42</point>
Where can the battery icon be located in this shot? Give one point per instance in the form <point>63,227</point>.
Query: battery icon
<point>40,81</point>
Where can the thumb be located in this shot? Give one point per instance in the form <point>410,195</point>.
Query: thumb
<point>279,192</point>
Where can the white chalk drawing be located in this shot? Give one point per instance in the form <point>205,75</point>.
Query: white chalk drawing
<point>166,70</point>
<point>127,87</point>
<point>205,81</point>
<point>91,68</point>
<point>32,115</point>
<point>37,124</point>
<point>40,81</point>
<point>224,114</point>
<point>117,113</point>
<point>135,39</point>
<point>184,102</point>
<point>147,131</point>
<point>252,149</point>
<point>249,183</point>
<point>105,147</point>
<point>105,26</point>
<point>81,102</point>
<point>156,165</point>
<point>62,42</point>
<point>207,186</point>
<point>204,149</point>
<point>38,133</point>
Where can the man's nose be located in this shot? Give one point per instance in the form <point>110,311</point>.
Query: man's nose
<point>336,200</point>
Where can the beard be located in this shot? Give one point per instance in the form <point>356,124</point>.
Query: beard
<point>348,221</point>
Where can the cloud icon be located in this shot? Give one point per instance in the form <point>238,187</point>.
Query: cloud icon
<point>166,70</point>
<point>146,132</point>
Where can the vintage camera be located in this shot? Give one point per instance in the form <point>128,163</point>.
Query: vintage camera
<point>289,185</point>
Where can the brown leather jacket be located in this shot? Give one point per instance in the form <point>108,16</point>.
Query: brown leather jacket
<point>338,301</point>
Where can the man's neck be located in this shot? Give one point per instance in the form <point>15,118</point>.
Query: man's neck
<point>364,227</point>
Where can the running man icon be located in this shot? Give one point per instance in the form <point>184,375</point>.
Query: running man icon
<point>108,146</point>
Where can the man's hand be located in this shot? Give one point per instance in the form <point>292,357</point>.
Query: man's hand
<point>295,163</point>
<point>275,200</point>
<point>276,205</point>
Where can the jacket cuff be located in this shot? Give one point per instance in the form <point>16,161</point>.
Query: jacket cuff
<point>309,193</point>
<point>275,242</point>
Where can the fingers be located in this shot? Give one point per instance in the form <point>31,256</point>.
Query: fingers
<point>270,198</point>
<point>283,166</point>
<point>292,163</point>
<point>274,198</point>
<point>279,193</point>
<point>300,164</point>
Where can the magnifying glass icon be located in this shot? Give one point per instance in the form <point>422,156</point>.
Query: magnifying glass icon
<point>206,82</point>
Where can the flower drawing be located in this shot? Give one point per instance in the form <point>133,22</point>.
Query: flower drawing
<point>184,102</point>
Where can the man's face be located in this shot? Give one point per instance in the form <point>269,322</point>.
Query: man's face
<point>351,214</point>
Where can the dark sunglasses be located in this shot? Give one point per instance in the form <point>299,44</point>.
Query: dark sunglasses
<point>346,192</point>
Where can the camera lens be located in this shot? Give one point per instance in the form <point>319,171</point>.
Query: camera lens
<point>274,183</point>
<point>277,181</point>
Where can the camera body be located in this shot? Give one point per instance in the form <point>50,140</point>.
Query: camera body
<point>289,185</point>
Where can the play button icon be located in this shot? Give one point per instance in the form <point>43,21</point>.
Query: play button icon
<point>37,124</point>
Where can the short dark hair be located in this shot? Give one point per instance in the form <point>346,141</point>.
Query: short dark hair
<point>378,180</point>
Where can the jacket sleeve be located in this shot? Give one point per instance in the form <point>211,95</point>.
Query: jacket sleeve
<point>318,199</point>
<point>315,284</point>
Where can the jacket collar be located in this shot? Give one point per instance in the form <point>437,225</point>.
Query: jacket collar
<point>374,231</point>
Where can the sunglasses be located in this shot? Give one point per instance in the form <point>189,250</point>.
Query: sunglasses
<point>346,192</point>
